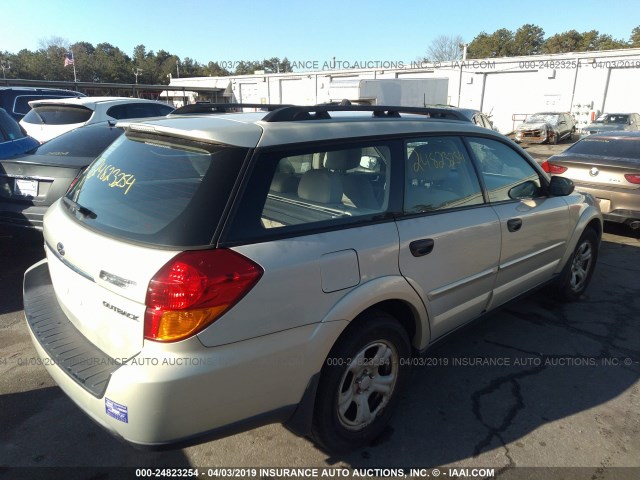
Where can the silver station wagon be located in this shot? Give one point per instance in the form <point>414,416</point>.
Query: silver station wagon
<point>213,272</point>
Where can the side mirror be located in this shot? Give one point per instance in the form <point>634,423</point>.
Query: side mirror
<point>528,189</point>
<point>561,186</point>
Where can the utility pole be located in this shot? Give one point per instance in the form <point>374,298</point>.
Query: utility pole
<point>178,68</point>
<point>464,57</point>
<point>136,72</point>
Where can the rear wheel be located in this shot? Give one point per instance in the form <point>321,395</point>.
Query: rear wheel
<point>359,383</point>
<point>577,273</point>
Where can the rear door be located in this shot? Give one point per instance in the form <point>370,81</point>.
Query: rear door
<point>534,227</point>
<point>449,235</point>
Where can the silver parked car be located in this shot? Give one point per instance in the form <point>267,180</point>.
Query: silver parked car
<point>210,273</point>
<point>613,122</point>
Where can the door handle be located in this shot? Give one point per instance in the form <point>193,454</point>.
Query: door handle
<point>514,224</point>
<point>420,248</point>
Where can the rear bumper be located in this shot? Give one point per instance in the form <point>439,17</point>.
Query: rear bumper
<point>174,394</point>
<point>617,205</point>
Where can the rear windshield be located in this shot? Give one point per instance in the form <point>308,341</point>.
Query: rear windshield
<point>21,104</point>
<point>608,147</point>
<point>87,141</point>
<point>58,115</point>
<point>157,190</point>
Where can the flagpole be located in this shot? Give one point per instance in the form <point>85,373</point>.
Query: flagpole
<point>75,79</point>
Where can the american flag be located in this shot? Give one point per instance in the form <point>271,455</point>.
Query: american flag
<point>68,59</point>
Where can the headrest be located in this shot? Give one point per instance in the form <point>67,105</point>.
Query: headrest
<point>343,160</point>
<point>321,186</point>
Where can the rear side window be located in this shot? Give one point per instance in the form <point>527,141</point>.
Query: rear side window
<point>608,147</point>
<point>58,115</point>
<point>316,188</point>
<point>157,190</point>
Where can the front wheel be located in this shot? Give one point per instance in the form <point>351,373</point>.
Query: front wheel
<point>359,383</point>
<point>576,275</point>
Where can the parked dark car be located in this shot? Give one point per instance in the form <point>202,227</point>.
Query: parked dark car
<point>608,167</point>
<point>546,127</point>
<point>13,139</point>
<point>15,100</point>
<point>30,183</point>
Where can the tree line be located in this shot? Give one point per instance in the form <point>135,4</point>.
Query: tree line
<point>105,63</point>
<point>527,40</point>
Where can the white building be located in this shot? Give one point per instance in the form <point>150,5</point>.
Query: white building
<point>509,89</point>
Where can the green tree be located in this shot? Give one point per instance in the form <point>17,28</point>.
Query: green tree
<point>528,40</point>
<point>499,44</point>
<point>634,40</point>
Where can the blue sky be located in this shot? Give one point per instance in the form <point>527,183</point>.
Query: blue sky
<point>303,31</point>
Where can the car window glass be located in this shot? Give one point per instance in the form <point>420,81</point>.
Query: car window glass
<point>58,115</point>
<point>138,110</point>
<point>607,147</point>
<point>157,190</point>
<point>314,188</point>
<point>501,167</point>
<point>21,103</point>
<point>9,128</point>
<point>87,141</point>
<point>439,175</point>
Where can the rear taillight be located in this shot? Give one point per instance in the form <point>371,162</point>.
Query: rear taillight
<point>193,290</point>
<point>633,178</point>
<point>75,180</point>
<point>552,168</point>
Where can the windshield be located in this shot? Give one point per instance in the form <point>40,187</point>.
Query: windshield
<point>608,147</point>
<point>543,118</point>
<point>158,190</point>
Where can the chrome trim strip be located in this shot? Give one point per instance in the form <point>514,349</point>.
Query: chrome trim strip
<point>28,177</point>
<point>69,264</point>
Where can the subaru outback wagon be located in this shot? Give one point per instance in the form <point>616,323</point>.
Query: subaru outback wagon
<point>211,273</point>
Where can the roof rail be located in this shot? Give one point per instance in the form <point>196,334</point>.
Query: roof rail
<point>321,112</point>
<point>205,107</point>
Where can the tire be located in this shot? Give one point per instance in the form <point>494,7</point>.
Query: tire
<point>576,275</point>
<point>571,134</point>
<point>352,407</point>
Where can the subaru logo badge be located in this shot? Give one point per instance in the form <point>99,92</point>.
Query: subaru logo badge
<point>60,248</point>
<point>594,172</point>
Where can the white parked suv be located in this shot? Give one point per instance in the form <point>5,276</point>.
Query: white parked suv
<point>213,272</point>
<point>49,118</point>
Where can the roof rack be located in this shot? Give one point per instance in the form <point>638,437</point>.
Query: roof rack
<point>321,112</point>
<point>206,107</point>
